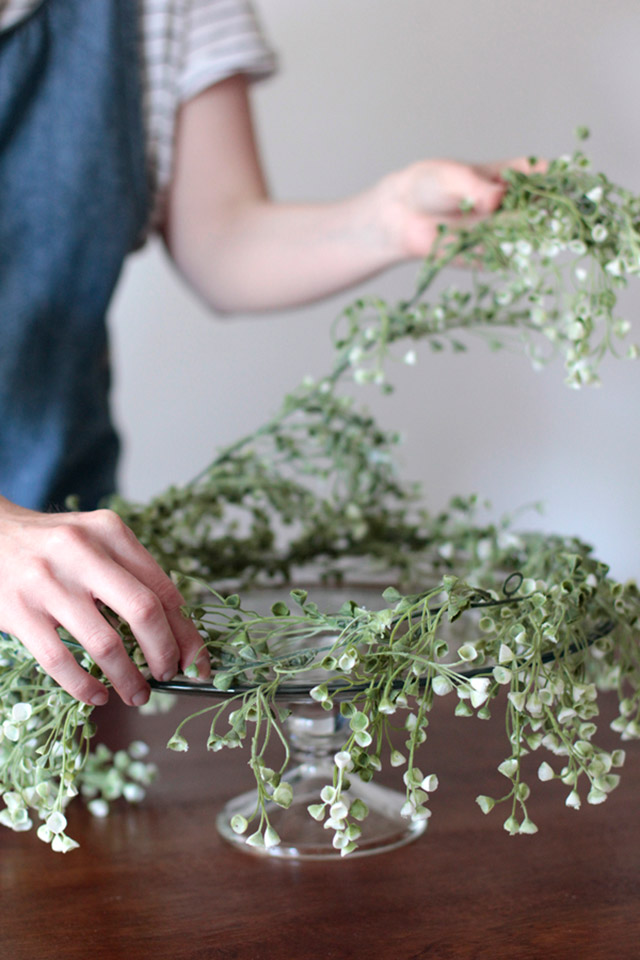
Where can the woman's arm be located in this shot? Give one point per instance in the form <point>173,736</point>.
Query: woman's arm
<point>242,252</point>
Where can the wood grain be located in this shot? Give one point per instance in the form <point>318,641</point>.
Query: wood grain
<point>156,881</point>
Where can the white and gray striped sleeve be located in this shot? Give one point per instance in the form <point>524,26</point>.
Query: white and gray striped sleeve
<point>188,45</point>
<point>221,37</point>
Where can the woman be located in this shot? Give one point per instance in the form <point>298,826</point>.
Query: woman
<point>118,119</point>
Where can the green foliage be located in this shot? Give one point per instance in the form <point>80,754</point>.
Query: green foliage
<point>316,488</point>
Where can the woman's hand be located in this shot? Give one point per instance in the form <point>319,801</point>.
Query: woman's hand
<point>414,201</point>
<point>55,569</point>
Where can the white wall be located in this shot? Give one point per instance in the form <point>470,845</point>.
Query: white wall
<point>367,86</point>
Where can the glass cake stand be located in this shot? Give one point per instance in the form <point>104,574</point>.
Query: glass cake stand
<point>314,735</point>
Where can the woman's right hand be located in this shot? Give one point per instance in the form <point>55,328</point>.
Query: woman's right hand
<point>56,568</point>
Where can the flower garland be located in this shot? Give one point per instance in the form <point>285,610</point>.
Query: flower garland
<point>317,487</point>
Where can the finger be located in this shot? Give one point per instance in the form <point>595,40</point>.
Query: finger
<point>131,555</point>
<point>482,194</point>
<point>443,192</point>
<point>80,616</point>
<point>142,609</point>
<point>494,171</point>
<point>44,644</point>
<point>166,637</point>
<point>190,643</point>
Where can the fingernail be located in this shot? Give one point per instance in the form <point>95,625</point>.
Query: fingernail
<point>169,675</point>
<point>100,698</point>
<point>140,697</point>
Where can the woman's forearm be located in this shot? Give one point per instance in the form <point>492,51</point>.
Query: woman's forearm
<point>243,252</point>
<point>267,256</point>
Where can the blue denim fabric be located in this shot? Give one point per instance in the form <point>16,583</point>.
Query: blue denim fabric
<point>73,203</point>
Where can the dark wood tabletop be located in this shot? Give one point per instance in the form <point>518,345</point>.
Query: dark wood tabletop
<point>156,880</point>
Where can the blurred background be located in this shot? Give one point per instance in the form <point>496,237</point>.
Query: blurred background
<point>366,87</point>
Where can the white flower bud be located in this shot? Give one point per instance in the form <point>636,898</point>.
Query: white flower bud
<point>271,838</point>
<point>99,808</point>
<point>56,822</point>
<point>343,760</point>
<point>20,712</point>
<point>545,771</point>
<point>573,800</point>
<point>508,767</point>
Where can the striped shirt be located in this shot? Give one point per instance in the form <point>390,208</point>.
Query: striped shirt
<point>187,45</point>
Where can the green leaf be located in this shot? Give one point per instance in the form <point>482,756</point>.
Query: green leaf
<point>280,609</point>
<point>391,595</point>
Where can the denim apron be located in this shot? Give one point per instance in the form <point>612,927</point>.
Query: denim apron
<point>73,203</point>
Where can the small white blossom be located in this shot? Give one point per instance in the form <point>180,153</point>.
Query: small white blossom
<point>11,731</point>
<point>20,712</point>
<point>319,693</point>
<point>271,838</point>
<point>508,767</point>
<point>505,654</point>
<point>343,760</point>
<point>545,771</point>
<point>99,808</point>
<point>614,267</point>
<point>347,661</point>
<point>333,824</point>
<point>518,699</point>
<point>441,686</point>
<point>486,804</point>
<point>56,822</point>
<point>239,823</point>
<point>467,652</point>
<point>573,800</point>
<point>411,722</point>
<point>567,713</point>
<point>62,844</point>
<point>502,675</point>
<point>340,840</point>
<point>133,792</point>
<point>339,810</point>
<point>430,783</point>
<point>527,826</point>
<point>551,250</point>
<point>596,796</point>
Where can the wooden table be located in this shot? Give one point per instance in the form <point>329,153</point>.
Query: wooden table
<point>156,881</point>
